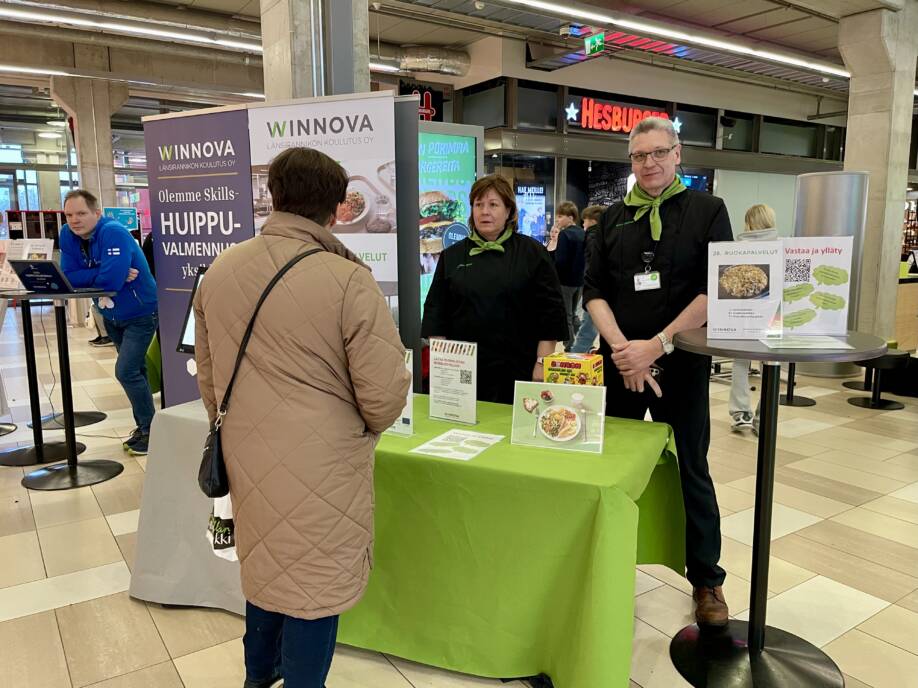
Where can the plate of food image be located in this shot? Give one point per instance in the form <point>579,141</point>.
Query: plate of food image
<point>559,423</point>
<point>743,281</point>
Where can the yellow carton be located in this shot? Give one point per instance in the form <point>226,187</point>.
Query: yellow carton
<point>573,369</point>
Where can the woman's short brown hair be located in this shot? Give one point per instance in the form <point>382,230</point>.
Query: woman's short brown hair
<point>569,209</point>
<point>307,183</point>
<point>502,188</point>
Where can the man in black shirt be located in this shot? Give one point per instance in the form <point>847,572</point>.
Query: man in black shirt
<point>646,280</point>
<point>569,261</point>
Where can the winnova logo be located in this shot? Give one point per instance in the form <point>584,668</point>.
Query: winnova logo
<point>196,150</point>
<point>313,126</point>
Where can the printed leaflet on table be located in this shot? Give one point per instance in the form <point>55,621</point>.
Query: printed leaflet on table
<point>453,380</point>
<point>817,284</point>
<point>458,444</point>
<point>553,416</point>
<point>745,284</point>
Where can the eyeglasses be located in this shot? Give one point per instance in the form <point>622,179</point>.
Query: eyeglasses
<point>659,154</point>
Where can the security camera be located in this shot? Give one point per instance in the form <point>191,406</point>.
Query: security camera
<point>566,30</point>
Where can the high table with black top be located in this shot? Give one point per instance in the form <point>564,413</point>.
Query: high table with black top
<point>40,452</point>
<point>750,653</point>
<point>72,474</point>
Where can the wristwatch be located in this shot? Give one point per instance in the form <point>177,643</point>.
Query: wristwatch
<point>540,360</point>
<point>668,347</point>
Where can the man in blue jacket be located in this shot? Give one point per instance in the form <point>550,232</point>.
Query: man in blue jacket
<point>99,252</point>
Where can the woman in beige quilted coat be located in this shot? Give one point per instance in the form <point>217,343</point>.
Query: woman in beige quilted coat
<point>322,376</point>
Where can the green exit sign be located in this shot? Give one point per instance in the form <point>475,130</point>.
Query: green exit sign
<point>595,44</point>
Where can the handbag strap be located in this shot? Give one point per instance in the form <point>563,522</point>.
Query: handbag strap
<point>221,412</point>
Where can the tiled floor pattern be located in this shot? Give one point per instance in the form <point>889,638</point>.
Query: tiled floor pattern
<point>844,570</point>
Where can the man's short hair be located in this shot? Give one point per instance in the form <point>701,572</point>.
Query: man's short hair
<point>655,124</point>
<point>593,212</point>
<point>91,201</point>
<point>307,183</point>
<point>569,209</point>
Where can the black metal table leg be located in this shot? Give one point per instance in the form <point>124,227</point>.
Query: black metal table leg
<point>789,399</point>
<point>875,400</point>
<point>40,451</point>
<point>66,476</point>
<point>747,655</point>
<point>858,385</point>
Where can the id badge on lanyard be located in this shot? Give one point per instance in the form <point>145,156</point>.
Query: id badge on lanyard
<point>649,279</point>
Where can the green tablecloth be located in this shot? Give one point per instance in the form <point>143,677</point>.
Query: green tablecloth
<point>522,560</point>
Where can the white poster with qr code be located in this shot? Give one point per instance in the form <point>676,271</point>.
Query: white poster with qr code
<point>453,380</point>
<point>817,285</point>
<point>745,280</point>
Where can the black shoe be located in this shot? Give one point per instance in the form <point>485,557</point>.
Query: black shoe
<point>100,341</point>
<point>275,682</point>
<point>140,446</point>
<point>135,435</point>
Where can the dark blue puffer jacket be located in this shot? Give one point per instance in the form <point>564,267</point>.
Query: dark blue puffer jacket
<point>112,252</point>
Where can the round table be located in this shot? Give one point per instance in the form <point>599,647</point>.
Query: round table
<point>750,653</point>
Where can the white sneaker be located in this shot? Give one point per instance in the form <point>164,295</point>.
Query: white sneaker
<point>741,421</point>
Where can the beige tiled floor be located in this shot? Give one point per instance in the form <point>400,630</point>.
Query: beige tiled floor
<point>844,565</point>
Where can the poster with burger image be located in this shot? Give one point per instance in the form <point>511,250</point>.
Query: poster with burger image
<point>447,169</point>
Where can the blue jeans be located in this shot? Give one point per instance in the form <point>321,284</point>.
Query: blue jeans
<point>281,646</point>
<point>132,339</point>
<point>586,335</point>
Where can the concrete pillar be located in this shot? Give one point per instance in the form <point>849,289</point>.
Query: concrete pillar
<point>880,51</point>
<point>314,47</point>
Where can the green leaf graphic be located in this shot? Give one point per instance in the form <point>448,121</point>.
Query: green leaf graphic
<point>797,292</point>
<point>799,318</point>
<point>830,276</point>
<point>826,301</point>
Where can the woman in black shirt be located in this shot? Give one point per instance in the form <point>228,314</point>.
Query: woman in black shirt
<point>500,289</point>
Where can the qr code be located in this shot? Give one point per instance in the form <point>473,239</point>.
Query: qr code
<point>465,377</point>
<point>797,270</point>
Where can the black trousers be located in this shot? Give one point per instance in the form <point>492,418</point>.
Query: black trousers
<point>685,407</point>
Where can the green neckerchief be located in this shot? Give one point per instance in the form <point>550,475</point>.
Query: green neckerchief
<point>481,245</point>
<point>640,199</point>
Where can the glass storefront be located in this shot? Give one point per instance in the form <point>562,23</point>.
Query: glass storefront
<point>533,179</point>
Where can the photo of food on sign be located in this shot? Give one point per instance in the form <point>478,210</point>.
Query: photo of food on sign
<point>559,416</point>
<point>743,281</point>
<point>438,212</point>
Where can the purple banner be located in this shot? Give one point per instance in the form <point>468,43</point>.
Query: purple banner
<point>201,203</point>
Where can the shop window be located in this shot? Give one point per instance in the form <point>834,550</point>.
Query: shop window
<point>788,138</point>
<point>537,106</point>
<point>533,179</point>
<point>10,153</point>
<point>485,107</point>
<point>698,126</point>
<point>739,131</point>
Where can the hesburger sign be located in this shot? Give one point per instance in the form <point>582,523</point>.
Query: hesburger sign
<point>597,115</point>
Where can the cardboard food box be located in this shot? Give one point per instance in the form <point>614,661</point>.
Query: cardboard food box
<point>573,369</point>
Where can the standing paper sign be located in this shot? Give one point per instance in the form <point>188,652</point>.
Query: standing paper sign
<point>404,424</point>
<point>358,132</point>
<point>817,285</point>
<point>745,283</point>
<point>569,417</point>
<point>453,380</point>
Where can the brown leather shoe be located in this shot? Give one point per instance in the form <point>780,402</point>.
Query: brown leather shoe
<point>710,606</point>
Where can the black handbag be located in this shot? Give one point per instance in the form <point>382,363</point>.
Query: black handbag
<point>212,473</point>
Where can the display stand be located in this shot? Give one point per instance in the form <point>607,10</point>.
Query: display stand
<point>72,474</point>
<point>40,451</point>
<point>743,654</point>
<point>790,399</point>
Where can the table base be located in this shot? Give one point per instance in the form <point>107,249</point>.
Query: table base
<point>7,428</point>
<point>719,658</point>
<point>856,385</point>
<point>28,456</point>
<point>67,477</point>
<point>881,405</point>
<point>796,401</point>
<point>80,419</point>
